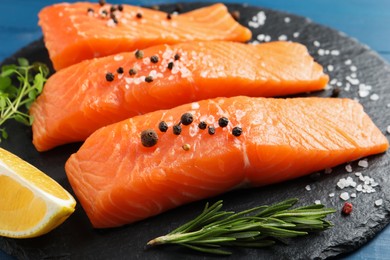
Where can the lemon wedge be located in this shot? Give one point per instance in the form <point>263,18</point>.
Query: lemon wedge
<point>31,203</point>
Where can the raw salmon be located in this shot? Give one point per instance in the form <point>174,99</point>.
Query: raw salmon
<point>120,178</point>
<point>79,31</point>
<point>78,100</point>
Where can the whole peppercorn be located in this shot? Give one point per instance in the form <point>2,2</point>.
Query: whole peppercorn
<point>177,56</point>
<point>154,59</point>
<point>211,130</point>
<point>163,126</point>
<point>170,65</point>
<point>347,208</point>
<point>109,76</point>
<point>223,121</point>
<point>132,72</point>
<point>202,125</point>
<point>139,15</point>
<point>120,70</point>
<point>149,79</point>
<point>187,118</point>
<point>139,54</point>
<point>237,131</point>
<point>177,129</point>
<point>149,138</point>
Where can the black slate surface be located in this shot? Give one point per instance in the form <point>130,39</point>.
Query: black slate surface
<point>75,239</point>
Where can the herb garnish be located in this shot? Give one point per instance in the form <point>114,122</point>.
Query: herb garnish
<point>214,229</point>
<point>16,100</point>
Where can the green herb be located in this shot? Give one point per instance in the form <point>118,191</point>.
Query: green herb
<point>214,230</point>
<point>15,99</point>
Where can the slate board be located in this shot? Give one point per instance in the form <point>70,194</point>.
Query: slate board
<point>77,240</point>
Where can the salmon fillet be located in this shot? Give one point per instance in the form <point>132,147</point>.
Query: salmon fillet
<point>78,100</point>
<point>118,180</point>
<point>79,31</point>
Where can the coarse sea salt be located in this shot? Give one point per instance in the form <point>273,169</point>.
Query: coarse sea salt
<point>344,196</point>
<point>308,188</point>
<point>388,129</point>
<point>330,67</point>
<point>287,19</point>
<point>317,43</point>
<point>374,97</point>
<point>296,34</point>
<point>282,37</point>
<point>348,168</point>
<point>378,202</point>
<point>317,202</point>
<point>257,20</point>
<point>331,194</point>
<point>363,163</point>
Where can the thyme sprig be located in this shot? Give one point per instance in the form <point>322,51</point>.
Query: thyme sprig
<point>214,229</point>
<point>20,84</point>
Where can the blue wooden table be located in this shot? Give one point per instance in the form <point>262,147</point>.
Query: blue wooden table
<point>367,21</point>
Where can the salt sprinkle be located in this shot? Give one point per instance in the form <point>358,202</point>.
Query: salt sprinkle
<point>374,97</point>
<point>331,194</point>
<point>330,67</point>
<point>388,129</point>
<point>378,202</point>
<point>358,174</point>
<point>317,202</point>
<point>257,20</point>
<point>296,34</point>
<point>363,163</point>
<point>308,187</point>
<point>353,68</point>
<point>333,81</point>
<point>344,196</point>
<point>388,105</point>
<point>335,52</point>
<point>316,43</point>
<point>282,37</point>
<point>287,19</point>
<point>348,62</point>
<point>353,195</point>
<point>348,168</point>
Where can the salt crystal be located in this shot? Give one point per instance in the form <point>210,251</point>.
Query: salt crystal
<point>308,187</point>
<point>331,194</point>
<point>321,52</point>
<point>348,62</point>
<point>267,38</point>
<point>339,84</point>
<point>261,37</point>
<point>317,202</point>
<point>327,52</point>
<point>330,67</point>
<point>353,81</point>
<point>353,195</point>
<point>374,97</point>
<point>353,68</point>
<point>344,196</point>
<point>388,129</point>
<point>296,34</point>
<point>335,52</point>
<point>282,37</point>
<point>348,168</point>
<point>364,93</point>
<point>333,81</point>
<point>118,57</point>
<point>378,202</point>
<point>358,174</point>
<point>316,43</point>
<point>359,187</point>
<point>287,19</point>
<point>363,163</point>
<point>388,105</point>
<point>353,75</point>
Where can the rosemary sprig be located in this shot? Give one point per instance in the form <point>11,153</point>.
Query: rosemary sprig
<point>215,229</point>
<point>15,99</point>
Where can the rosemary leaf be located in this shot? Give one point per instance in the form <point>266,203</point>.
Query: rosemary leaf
<point>256,227</point>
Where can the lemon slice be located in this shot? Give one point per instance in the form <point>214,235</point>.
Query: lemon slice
<point>31,203</point>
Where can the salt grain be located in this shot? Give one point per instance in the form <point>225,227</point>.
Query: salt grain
<point>308,187</point>
<point>378,202</point>
<point>335,52</point>
<point>344,196</point>
<point>321,52</point>
<point>258,20</point>
<point>330,68</point>
<point>316,43</point>
<point>353,68</point>
<point>353,195</point>
<point>331,194</point>
<point>282,37</point>
<point>317,202</point>
<point>363,163</point>
<point>388,129</point>
<point>348,168</point>
<point>374,97</point>
<point>296,34</point>
<point>287,19</point>
<point>348,62</point>
<point>358,174</point>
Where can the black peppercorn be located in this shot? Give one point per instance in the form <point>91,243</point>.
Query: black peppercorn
<point>177,129</point>
<point>177,56</point>
<point>139,15</point>
<point>149,79</point>
<point>223,121</point>
<point>149,138</point>
<point>211,130</point>
<point>109,76</point>
<point>120,7</point>
<point>202,125</point>
<point>163,126</point>
<point>120,70</point>
<point>132,72</point>
<point>154,59</point>
<point>186,118</point>
<point>139,54</point>
<point>170,65</point>
<point>237,131</point>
